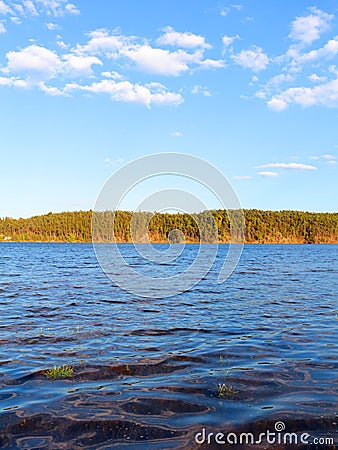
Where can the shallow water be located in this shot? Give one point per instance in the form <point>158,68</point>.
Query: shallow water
<point>146,372</point>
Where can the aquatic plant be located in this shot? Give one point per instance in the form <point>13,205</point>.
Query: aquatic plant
<point>225,390</point>
<point>59,373</point>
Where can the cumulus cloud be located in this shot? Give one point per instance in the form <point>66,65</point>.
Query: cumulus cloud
<point>114,75</point>
<point>71,9</point>
<point>152,93</point>
<point>254,59</point>
<point>51,90</point>
<point>327,52</point>
<point>2,28</point>
<point>202,90</point>
<point>102,42</point>
<point>148,58</point>
<point>316,78</point>
<point>159,61</point>
<point>57,73</point>
<point>212,63</point>
<point>13,82</point>
<point>294,166</point>
<point>303,78</point>
<point>325,94</point>
<point>52,26</point>
<point>176,133</point>
<point>183,40</point>
<point>77,66</point>
<point>229,40</point>
<point>36,62</point>
<point>307,29</point>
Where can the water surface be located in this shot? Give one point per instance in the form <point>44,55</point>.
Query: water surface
<point>146,372</point>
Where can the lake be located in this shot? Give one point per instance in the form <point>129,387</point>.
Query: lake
<point>147,371</point>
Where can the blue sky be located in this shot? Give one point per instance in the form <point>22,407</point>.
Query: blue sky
<point>87,86</point>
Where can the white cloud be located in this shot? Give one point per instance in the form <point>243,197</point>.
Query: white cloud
<point>18,10</point>
<point>50,90</point>
<point>277,104</point>
<point>159,61</point>
<point>294,166</point>
<point>325,94</point>
<point>203,90</point>
<point>330,160</point>
<point>312,81</point>
<point>101,42</point>
<point>72,9</point>
<point>183,40</point>
<point>228,40</point>
<point>2,28</point>
<point>176,133</point>
<point>5,9</point>
<point>61,44</point>
<point>327,52</point>
<point>77,66</point>
<point>52,26</point>
<point>37,63</point>
<point>30,8</point>
<point>14,82</point>
<point>254,59</point>
<point>114,75</point>
<point>279,79</point>
<point>309,28</point>
<point>144,56</point>
<point>56,7</point>
<point>153,93</point>
<point>26,8</point>
<point>316,78</point>
<point>268,174</point>
<point>227,9</point>
<point>212,63</point>
<point>241,177</point>
<point>15,20</point>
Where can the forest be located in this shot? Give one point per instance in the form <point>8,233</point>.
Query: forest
<point>261,227</point>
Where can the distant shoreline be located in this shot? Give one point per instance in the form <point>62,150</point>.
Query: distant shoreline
<point>166,243</point>
<point>217,226</point>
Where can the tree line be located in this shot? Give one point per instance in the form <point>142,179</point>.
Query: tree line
<point>260,227</point>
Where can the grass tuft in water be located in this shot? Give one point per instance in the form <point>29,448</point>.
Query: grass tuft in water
<point>226,390</point>
<point>59,373</point>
